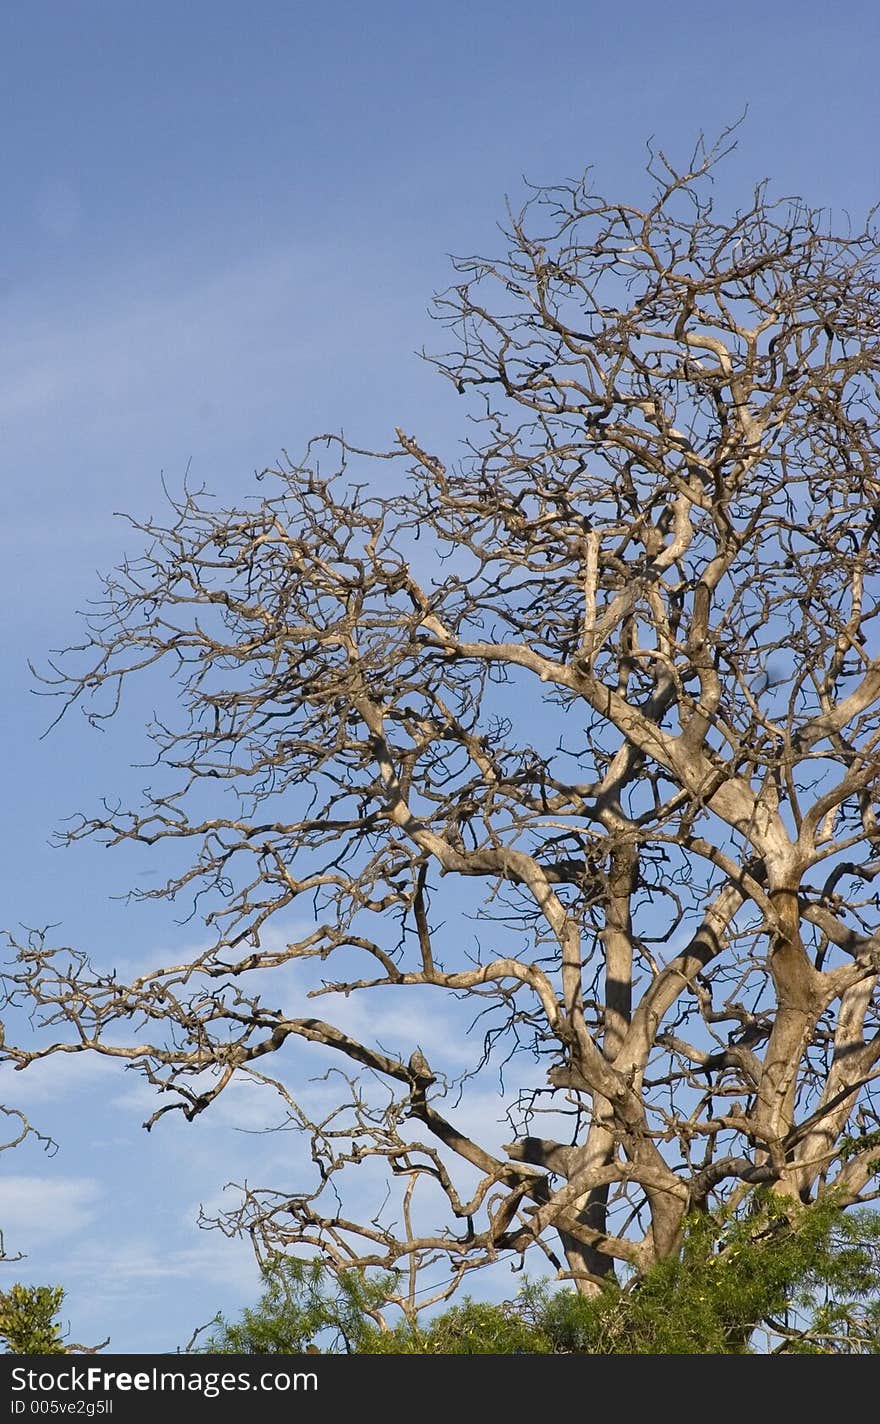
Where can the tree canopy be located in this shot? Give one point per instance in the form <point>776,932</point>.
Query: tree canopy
<point>575,728</point>
<point>740,1285</point>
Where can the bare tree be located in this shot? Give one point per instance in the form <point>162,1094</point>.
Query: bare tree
<point>580,730</point>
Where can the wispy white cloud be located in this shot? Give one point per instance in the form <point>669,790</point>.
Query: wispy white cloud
<point>175,1278</point>
<point>121,1266</point>
<point>49,1080</point>
<point>36,1209</point>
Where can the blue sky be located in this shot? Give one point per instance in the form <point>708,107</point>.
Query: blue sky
<point>222,227</point>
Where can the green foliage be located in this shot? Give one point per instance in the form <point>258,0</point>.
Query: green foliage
<point>27,1324</point>
<point>474,1328</point>
<point>776,1277</point>
<point>302,1301</point>
<point>852,1146</point>
<point>781,1277</point>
